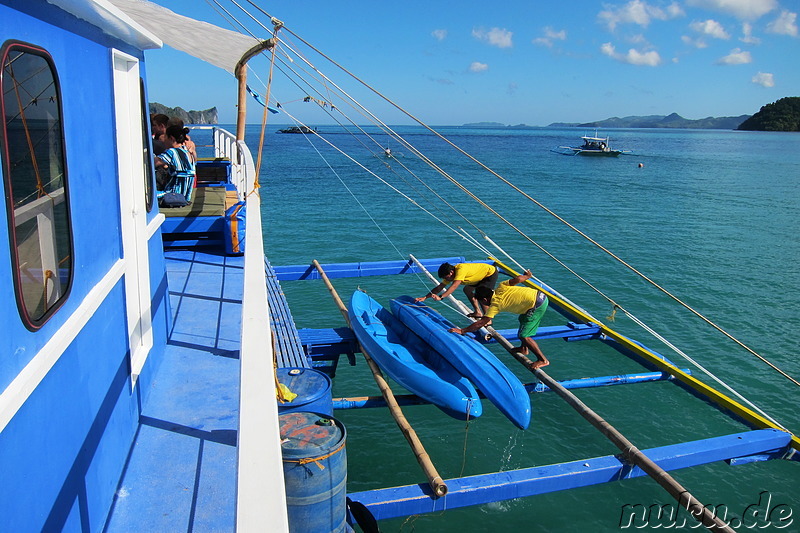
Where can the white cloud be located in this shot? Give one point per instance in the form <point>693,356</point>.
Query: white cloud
<point>709,27</point>
<point>765,79</point>
<point>637,12</point>
<point>747,34</point>
<point>785,24</point>
<point>736,57</point>
<point>633,57</point>
<point>477,66</point>
<point>550,35</point>
<point>697,43</point>
<point>439,35</point>
<point>500,38</point>
<point>741,9</point>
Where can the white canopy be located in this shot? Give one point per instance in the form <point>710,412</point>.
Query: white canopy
<point>214,45</point>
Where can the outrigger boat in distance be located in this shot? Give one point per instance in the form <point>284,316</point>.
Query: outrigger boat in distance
<point>297,129</point>
<point>596,146</point>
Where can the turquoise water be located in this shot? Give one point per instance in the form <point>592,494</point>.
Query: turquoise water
<point>712,216</point>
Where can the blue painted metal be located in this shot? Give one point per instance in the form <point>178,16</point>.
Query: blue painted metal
<point>181,472</point>
<point>315,472</point>
<point>357,270</point>
<point>409,361</point>
<point>582,383</point>
<point>470,358</point>
<point>312,387</point>
<point>587,383</point>
<point>570,332</point>
<point>486,488</point>
<point>377,401</point>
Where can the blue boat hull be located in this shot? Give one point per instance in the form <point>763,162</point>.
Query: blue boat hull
<point>469,357</point>
<point>409,361</point>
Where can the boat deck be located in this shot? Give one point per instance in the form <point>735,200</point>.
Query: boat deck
<point>181,473</point>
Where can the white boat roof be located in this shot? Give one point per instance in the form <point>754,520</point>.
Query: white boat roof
<point>217,46</point>
<point>111,20</point>
<point>146,25</point>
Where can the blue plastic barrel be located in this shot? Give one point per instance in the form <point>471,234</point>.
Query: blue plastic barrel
<point>314,471</point>
<point>313,389</point>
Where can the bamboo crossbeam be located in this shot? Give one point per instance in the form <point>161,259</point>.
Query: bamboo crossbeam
<point>455,301</point>
<point>630,453</point>
<point>435,481</point>
<point>708,392</point>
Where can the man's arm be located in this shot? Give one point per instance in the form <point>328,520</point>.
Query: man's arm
<point>449,291</point>
<point>433,292</point>
<point>475,326</point>
<point>521,278</point>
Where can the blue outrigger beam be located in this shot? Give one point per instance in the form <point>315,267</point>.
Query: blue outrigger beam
<point>409,500</point>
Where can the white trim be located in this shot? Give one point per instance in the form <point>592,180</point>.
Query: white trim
<point>18,392</point>
<point>260,494</point>
<point>155,225</point>
<point>133,215</point>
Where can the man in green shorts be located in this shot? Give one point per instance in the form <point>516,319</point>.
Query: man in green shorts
<point>471,275</point>
<point>530,304</point>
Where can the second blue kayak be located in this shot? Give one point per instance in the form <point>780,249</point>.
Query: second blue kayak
<point>409,361</point>
<point>470,357</point>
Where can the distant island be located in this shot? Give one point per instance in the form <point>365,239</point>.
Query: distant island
<point>209,116</point>
<point>783,115</point>
<point>660,121</point>
<point>649,121</point>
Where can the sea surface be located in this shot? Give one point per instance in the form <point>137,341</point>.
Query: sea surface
<point>711,216</point>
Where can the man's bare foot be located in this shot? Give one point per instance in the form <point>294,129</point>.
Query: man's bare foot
<point>522,350</point>
<point>540,364</point>
<point>475,315</point>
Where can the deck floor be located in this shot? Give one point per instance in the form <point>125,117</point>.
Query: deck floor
<point>181,474</point>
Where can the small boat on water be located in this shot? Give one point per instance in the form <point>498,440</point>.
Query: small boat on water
<point>469,357</point>
<point>594,146</point>
<point>298,129</point>
<point>409,361</point>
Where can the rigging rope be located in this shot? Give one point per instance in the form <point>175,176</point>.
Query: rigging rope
<point>555,215</point>
<point>326,81</point>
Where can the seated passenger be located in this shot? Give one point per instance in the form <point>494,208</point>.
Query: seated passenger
<point>179,164</point>
<point>158,127</point>
<point>187,143</point>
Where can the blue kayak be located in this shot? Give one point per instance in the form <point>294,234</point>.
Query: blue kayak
<point>409,361</point>
<point>469,357</point>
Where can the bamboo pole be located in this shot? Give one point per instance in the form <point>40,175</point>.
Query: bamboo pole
<point>240,71</point>
<point>706,391</point>
<point>630,453</point>
<point>452,299</point>
<point>435,481</point>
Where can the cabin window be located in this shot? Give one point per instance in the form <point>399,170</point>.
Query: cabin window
<point>34,175</point>
<point>147,151</point>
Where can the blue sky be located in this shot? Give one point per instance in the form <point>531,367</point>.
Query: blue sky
<point>531,62</point>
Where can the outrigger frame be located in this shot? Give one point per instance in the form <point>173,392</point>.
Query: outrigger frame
<point>768,441</point>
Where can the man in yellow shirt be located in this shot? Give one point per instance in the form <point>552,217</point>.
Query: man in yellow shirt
<point>530,304</point>
<point>471,275</point>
